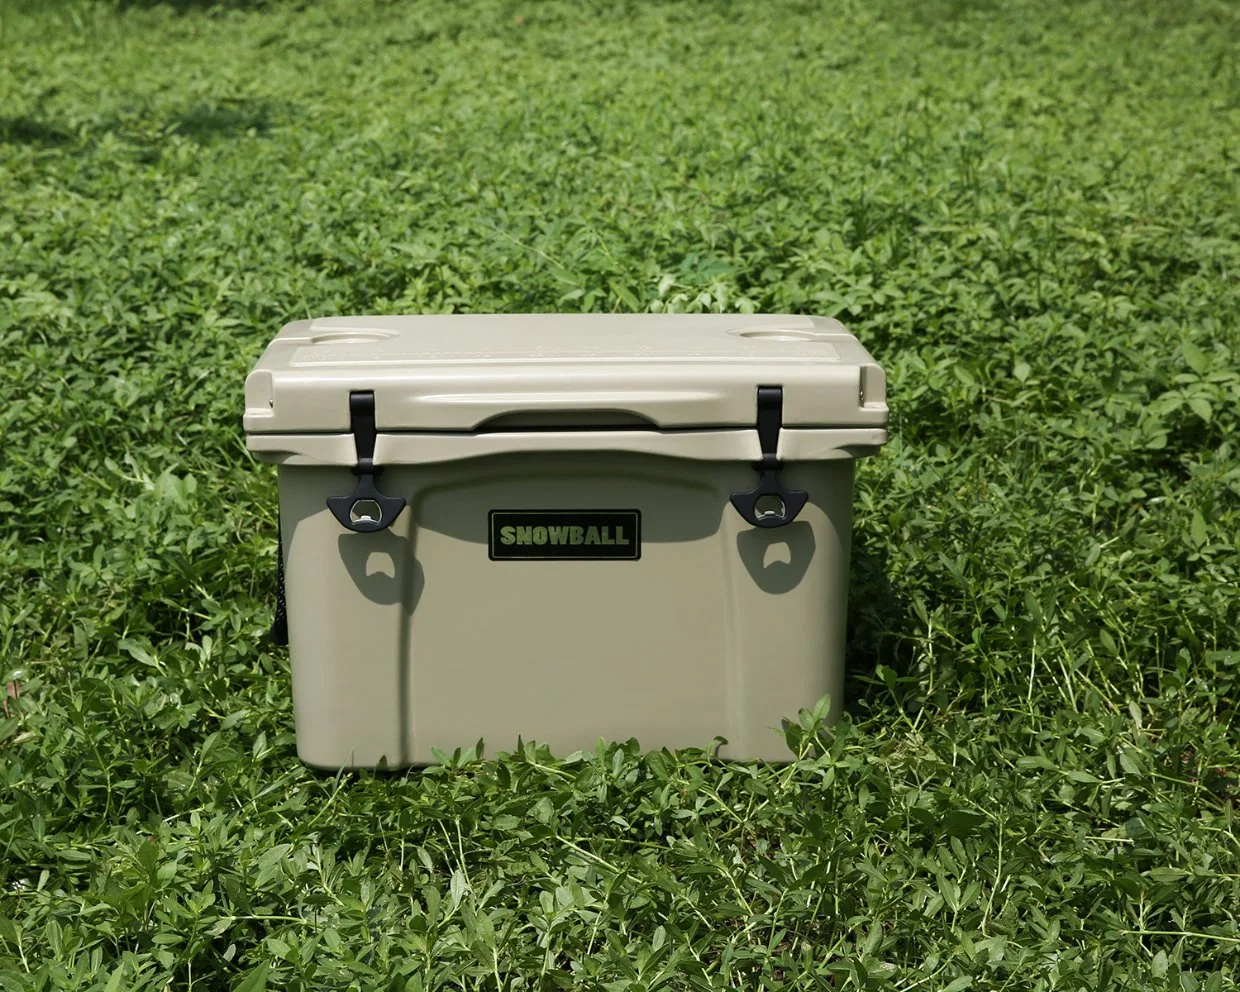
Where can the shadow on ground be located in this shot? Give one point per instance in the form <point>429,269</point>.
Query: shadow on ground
<point>31,131</point>
<point>209,123</point>
<point>202,124</point>
<point>879,621</point>
<point>187,6</point>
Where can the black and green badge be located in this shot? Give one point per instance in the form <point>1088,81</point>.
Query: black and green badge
<point>565,535</point>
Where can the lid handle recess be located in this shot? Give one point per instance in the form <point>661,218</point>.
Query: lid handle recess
<point>365,510</point>
<point>769,504</point>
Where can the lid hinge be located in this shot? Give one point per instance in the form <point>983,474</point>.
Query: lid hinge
<point>365,510</point>
<point>770,504</point>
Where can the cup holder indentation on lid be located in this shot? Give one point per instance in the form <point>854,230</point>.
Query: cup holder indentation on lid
<point>351,337</point>
<point>782,334</point>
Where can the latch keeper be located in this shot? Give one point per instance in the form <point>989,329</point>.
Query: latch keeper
<point>351,510</point>
<point>784,504</point>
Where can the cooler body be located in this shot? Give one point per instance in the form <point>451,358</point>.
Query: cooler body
<point>417,638</point>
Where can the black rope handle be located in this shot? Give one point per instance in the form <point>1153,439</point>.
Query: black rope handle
<point>279,626</point>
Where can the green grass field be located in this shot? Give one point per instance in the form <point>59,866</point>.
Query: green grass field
<point>1028,212</point>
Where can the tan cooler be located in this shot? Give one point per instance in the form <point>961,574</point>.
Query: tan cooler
<point>562,527</point>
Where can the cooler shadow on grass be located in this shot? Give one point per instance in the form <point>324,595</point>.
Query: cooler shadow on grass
<point>29,131</point>
<point>879,622</point>
<point>187,6</point>
<point>205,123</point>
<point>201,124</point>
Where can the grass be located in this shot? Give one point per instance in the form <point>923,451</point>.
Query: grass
<point>1027,211</point>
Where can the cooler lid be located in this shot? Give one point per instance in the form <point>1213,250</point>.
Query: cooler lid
<point>469,372</point>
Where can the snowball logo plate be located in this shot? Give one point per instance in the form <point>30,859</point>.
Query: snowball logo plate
<point>565,535</point>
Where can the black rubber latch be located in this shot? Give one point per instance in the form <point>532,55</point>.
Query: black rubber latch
<point>357,510</point>
<point>770,504</point>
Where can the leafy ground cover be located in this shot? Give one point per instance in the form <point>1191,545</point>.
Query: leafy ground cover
<point>1027,211</point>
